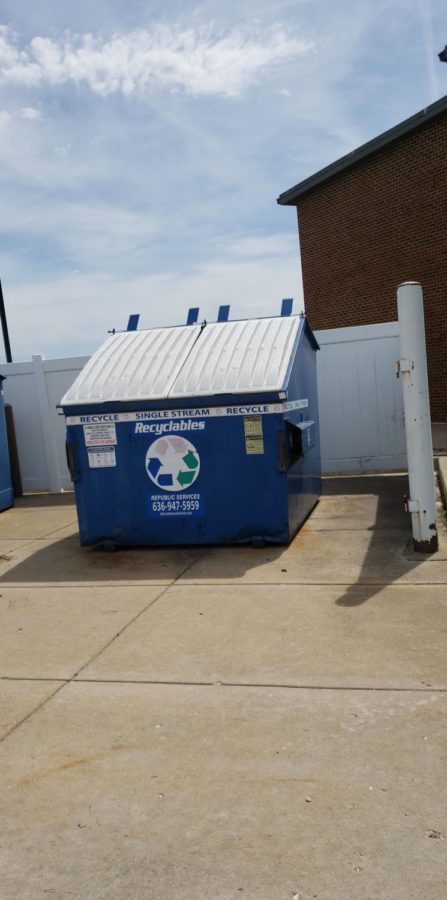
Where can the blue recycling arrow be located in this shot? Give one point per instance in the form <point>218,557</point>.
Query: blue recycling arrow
<point>154,466</point>
<point>165,480</point>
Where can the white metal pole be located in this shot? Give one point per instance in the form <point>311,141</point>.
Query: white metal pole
<point>412,368</point>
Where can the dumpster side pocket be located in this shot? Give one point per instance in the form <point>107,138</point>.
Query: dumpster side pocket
<point>294,442</point>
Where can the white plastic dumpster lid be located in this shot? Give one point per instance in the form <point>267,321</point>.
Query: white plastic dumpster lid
<point>133,365</point>
<point>238,357</point>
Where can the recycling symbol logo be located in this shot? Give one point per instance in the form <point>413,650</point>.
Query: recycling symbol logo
<point>172,463</point>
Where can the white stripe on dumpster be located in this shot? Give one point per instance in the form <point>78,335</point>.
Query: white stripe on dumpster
<point>197,413</point>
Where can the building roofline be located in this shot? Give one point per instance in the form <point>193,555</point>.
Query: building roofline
<point>414,123</point>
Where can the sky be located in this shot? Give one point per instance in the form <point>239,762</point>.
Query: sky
<point>143,147</point>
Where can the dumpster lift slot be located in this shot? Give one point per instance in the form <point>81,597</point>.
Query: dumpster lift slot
<point>70,450</point>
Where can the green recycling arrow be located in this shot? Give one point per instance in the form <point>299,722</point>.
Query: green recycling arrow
<point>185,478</point>
<point>191,460</point>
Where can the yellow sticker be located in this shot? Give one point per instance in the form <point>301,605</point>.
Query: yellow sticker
<point>254,437</point>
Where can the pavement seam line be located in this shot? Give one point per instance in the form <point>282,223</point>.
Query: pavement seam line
<point>288,687</point>
<point>205,583</point>
<point>307,584</point>
<point>68,681</point>
<point>54,530</point>
<point>31,678</point>
<point>26,543</point>
<point>326,584</point>
<point>34,540</point>
<point>79,584</point>
<point>137,616</point>
<point>62,682</point>
<point>34,710</point>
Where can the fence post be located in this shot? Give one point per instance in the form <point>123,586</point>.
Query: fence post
<point>47,418</point>
<point>412,367</point>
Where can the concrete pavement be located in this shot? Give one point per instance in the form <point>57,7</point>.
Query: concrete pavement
<point>207,724</point>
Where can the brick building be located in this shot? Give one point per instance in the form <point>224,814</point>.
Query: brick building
<point>373,219</point>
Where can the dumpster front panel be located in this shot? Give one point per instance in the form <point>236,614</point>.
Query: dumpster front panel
<point>163,477</point>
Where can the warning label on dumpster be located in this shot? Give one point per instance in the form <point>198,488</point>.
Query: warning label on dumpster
<point>101,457</point>
<point>100,434</point>
<point>254,437</point>
<point>176,505</point>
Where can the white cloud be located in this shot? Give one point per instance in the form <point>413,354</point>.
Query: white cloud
<point>30,112</point>
<point>63,149</point>
<point>199,60</point>
<point>94,236</point>
<point>5,118</point>
<point>9,54</point>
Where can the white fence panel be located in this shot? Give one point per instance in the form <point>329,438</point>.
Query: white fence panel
<point>34,389</point>
<point>360,401</point>
<point>362,425</point>
<point>20,391</point>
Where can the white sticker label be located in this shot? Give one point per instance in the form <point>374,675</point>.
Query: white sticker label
<point>101,457</point>
<point>295,404</point>
<point>101,434</point>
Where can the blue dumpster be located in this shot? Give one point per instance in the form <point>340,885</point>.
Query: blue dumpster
<point>6,493</point>
<point>196,434</point>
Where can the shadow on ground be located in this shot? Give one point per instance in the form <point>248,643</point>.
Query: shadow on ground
<point>350,549</point>
<point>64,561</point>
<point>34,501</point>
<point>391,539</point>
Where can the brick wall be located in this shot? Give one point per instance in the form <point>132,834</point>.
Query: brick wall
<point>373,226</point>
